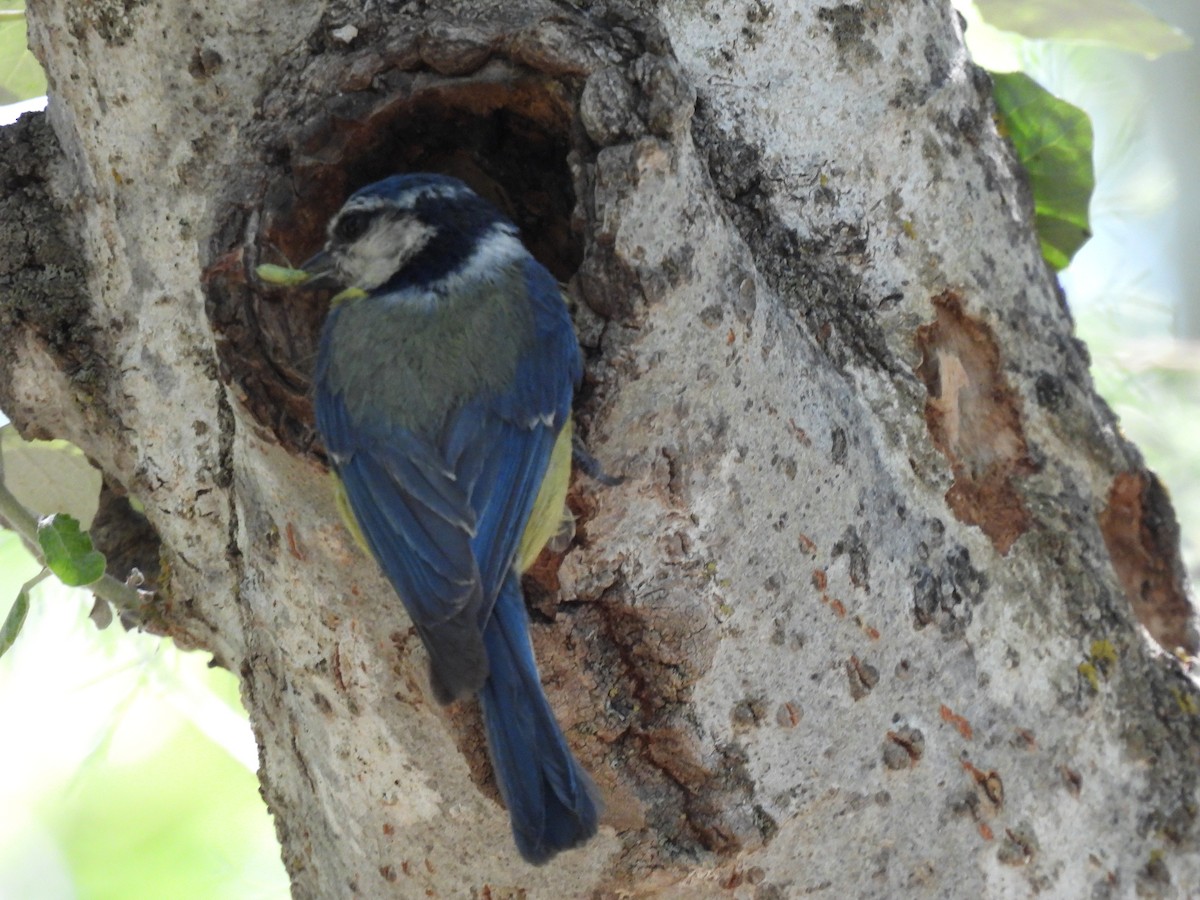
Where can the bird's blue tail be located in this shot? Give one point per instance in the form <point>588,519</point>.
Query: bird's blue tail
<point>551,800</point>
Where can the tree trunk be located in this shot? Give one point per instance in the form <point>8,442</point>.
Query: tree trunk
<point>864,613</point>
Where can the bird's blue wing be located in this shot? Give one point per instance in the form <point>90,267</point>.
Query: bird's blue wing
<point>499,444</point>
<point>505,484</point>
<point>418,523</point>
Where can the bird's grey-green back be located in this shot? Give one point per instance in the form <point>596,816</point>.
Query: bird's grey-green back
<point>405,360</point>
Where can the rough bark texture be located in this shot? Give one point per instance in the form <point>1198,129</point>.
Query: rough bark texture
<point>863,616</point>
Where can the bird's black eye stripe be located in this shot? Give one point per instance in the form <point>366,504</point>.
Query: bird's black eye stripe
<point>352,225</point>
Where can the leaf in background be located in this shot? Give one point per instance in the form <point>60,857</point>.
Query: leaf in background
<point>1053,140</point>
<point>101,614</point>
<point>13,621</point>
<point>1116,23</point>
<point>68,551</point>
<point>20,75</point>
<point>47,475</point>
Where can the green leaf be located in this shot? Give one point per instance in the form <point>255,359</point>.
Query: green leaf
<point>14,620</point>
<point>68,551</point>
<point>20,75</point>
<point>1053,141</point>
<point>1116,23</point>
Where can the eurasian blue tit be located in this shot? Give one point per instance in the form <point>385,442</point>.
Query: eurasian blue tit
<point>444,381</point>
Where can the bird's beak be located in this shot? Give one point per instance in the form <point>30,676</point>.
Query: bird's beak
<point>323,274</point>
<point>321,271</point>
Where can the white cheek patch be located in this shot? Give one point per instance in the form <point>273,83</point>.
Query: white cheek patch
<point>383,251</point>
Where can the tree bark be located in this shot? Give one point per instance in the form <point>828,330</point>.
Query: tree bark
<point>869,611</point>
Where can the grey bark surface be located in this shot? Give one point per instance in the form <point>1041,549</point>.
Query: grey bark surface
<point>880,606</point>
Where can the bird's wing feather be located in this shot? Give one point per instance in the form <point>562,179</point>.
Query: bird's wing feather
<point>503,491</point>
<point>500,443</point>
<point>418,525</point>
<point>416,519</point>
<point>547,376</point>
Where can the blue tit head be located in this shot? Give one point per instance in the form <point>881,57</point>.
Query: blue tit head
<point>412,230</point>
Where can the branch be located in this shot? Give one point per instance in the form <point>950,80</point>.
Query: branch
<point>23,522</point>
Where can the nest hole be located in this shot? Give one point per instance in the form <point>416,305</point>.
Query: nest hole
<point>505,135</point>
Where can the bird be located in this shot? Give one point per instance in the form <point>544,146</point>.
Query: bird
<point>444,380</point>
